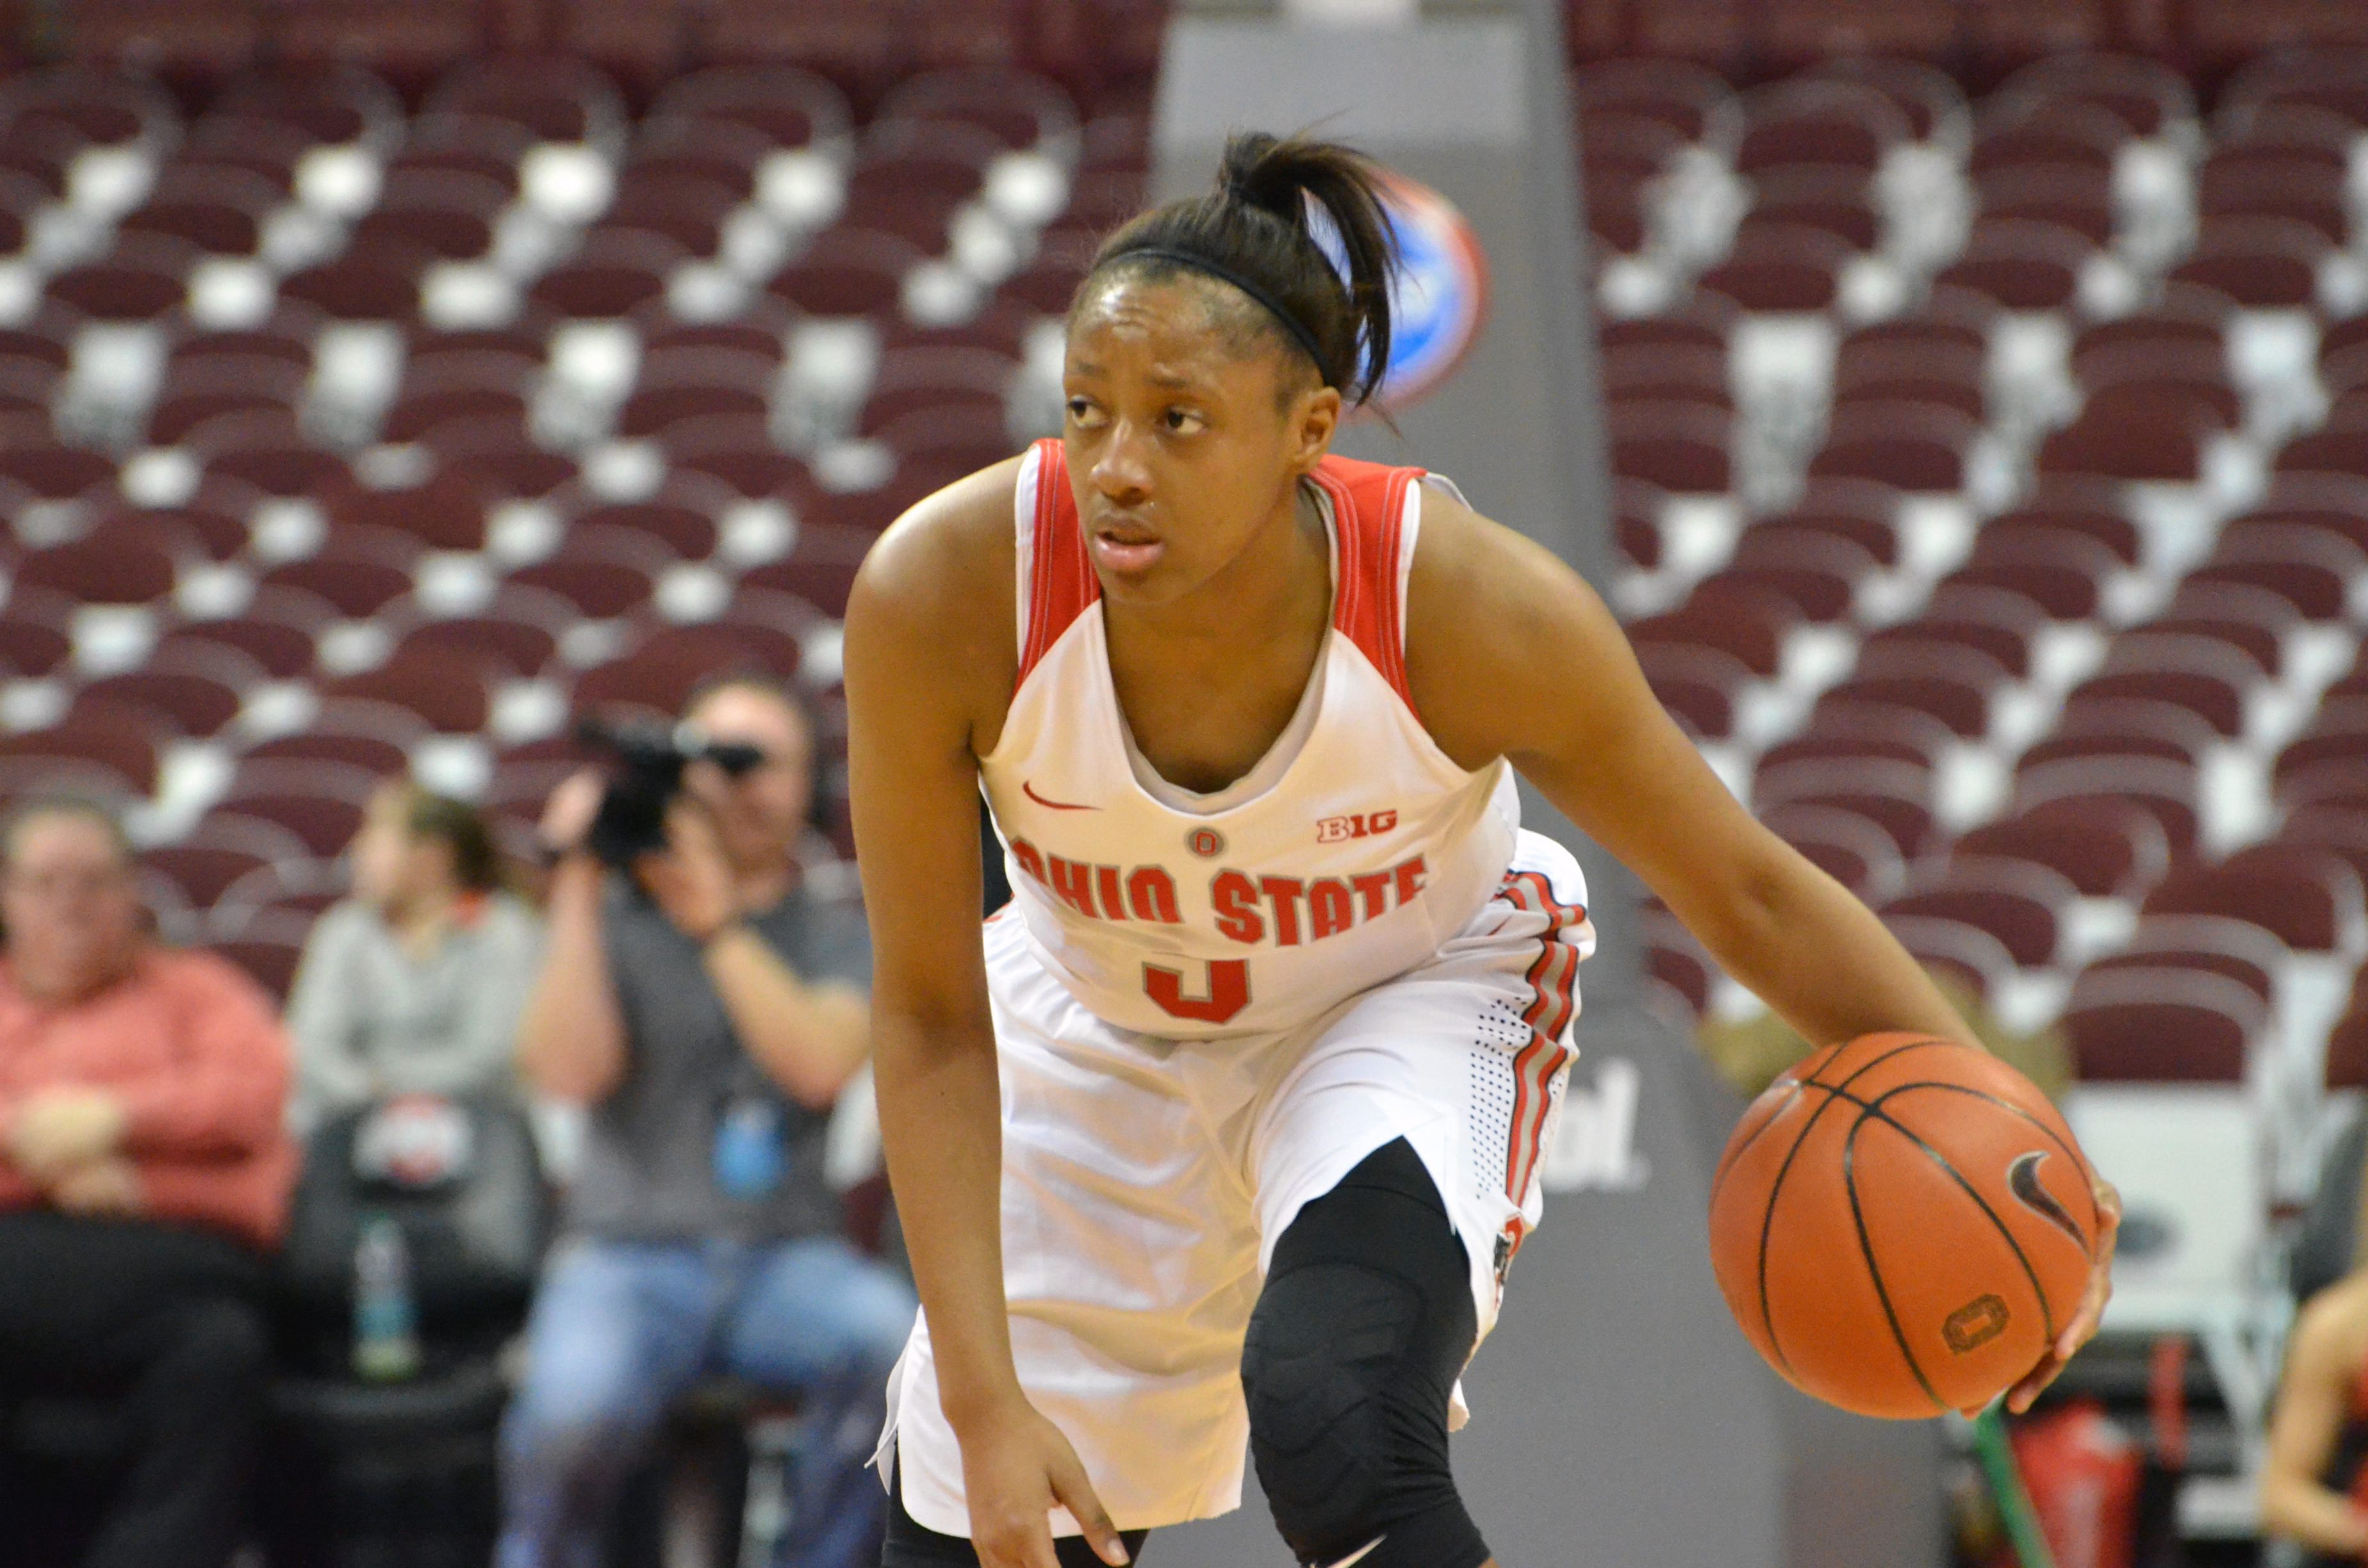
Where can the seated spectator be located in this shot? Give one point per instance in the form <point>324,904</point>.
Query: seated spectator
<point>2315,1478</point>
<point>142,1170</point>
<point>707,1008</point>
<point>414,984</point>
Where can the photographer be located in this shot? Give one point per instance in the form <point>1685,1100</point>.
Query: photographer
<point>707,1008</point>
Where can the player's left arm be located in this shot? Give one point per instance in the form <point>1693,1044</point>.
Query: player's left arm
<point>1510,654</point>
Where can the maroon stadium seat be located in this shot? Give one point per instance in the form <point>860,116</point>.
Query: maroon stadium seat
<point>1644,372</point>
<point>601,586</point>
<point>122,570</point>
<point>1691,100</point>
<point>181,693</point>
<point>850,272</point>
<point>2165,787</point>
<point>196,390</point>
<point>2166,1025</point>
<point>110,751</point>
<point>551,97</point>
<point>216,211</point>
<point>1746,625</point>
<point>327,104</point>
<point>2015,900</point>
<point>788,107</point>
<point>1913,446</point>
<point>2078,197</point>
<point>2145,94</point>
<point>2106,849</point>
<point>2237,948</point>
<point>1948,679</point>
<point>448,688</point>
<point>1680,446</point>
<point>2310,900</point>
<point>1838,201</point>
<point>1895,796</point>
<point>613,275</point>
<point>52,472</point>
<point>2261,261</point>
<point>1023,112</point>
<point>2020,264</point>
<point>1780,267</point>
<point>821,567</point>
<point>1808,120</point>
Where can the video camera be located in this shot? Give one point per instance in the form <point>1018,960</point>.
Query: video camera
<point>646,769</point>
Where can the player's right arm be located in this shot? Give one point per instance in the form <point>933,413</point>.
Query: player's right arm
<point>930,659</point>
<point>2322,1364</point>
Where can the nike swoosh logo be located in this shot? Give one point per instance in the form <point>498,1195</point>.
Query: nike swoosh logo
<point>2022,1180</point>
<point>1029,791</point>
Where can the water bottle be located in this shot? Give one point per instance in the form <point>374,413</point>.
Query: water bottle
<point>386,1334</point>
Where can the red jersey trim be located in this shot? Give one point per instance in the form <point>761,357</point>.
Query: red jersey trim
<point>1554,1002</point>
<point>1369,502</point>
<point>1062,583</point>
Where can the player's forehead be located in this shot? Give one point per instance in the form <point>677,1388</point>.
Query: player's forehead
<point>1180,332</point>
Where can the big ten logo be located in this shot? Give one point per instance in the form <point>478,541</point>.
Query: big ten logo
<point>1595,1148</point>
<point>1356,825</point>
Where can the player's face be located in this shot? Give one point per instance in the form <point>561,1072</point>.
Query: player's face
<point>1184,441</point>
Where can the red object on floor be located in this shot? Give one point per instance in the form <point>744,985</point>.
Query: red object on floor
<point>2081,1471</point>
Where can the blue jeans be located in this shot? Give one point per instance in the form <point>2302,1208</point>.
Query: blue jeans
<point>621,1329</point>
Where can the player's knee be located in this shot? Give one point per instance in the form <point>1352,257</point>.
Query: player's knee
<point>1352,1352</point>
<point>1316,1370</point>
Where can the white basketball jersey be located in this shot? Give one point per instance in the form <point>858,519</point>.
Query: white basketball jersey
<point>1350,853</point>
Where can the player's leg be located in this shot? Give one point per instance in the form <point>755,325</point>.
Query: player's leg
<point>1396,1171</point>
<point>1354,1348</point>
<point>617,1332</point>
<point>1130,1259</point>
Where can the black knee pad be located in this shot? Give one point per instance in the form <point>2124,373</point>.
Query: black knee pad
<point>1353,1349</point>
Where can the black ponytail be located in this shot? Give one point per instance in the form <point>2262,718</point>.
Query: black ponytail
<point>1253,232</point>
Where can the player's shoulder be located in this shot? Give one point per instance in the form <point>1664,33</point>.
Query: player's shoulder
<point>1472,577</point>
<point>1459,552</point>
<point>1494,624</point>
<point>952,553</point>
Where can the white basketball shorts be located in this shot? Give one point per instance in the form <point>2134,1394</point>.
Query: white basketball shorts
<point>1145,1182</point>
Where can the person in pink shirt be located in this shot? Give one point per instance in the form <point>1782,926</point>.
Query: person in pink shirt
<point>143,1176</point>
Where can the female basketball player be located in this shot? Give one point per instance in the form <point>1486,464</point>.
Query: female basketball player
<point>2314,1480</point>
<point>1261,1056</point>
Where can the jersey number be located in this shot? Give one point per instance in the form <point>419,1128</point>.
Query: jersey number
<point>1228,991</point>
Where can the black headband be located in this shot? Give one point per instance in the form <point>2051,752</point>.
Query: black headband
<point>1225,274</point>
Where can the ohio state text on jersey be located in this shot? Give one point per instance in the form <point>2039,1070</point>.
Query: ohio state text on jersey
<point>1346,855</point>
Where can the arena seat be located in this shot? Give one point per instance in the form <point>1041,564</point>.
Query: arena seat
<point>2162,1025</point>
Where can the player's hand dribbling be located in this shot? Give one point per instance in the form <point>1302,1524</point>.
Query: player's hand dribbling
<point>2083,1326</point>
<point>1014,1477</point>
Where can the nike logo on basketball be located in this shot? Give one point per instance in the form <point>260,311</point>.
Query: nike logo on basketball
<point>1029,791</point>
<point>2022,1180</point>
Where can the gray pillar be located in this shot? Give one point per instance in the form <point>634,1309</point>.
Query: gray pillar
<point>1621,1420</point>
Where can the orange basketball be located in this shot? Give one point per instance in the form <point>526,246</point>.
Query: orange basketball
<point>1902,1225</point>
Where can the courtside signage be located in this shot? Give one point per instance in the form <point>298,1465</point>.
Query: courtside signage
<point>1439,301</point>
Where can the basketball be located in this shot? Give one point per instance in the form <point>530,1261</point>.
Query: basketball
<point>1902,1225</point>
